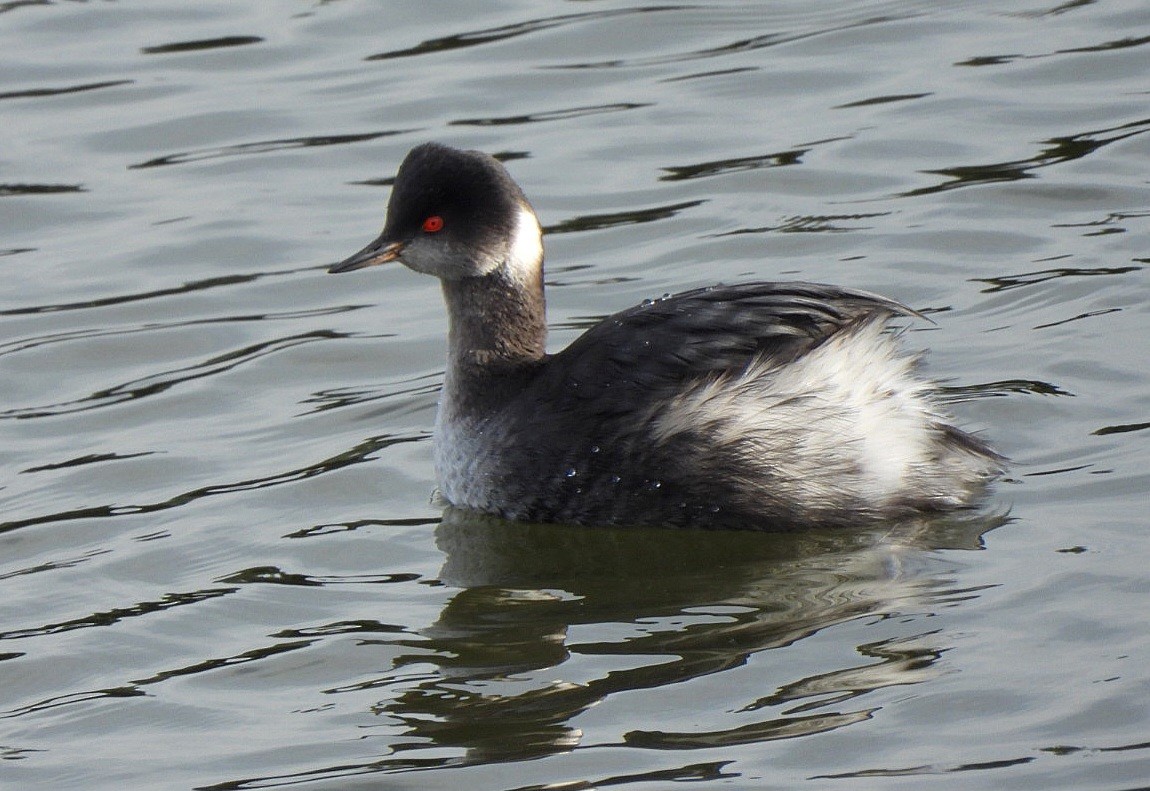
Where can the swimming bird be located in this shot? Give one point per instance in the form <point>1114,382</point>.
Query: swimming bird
<point>759,405</point>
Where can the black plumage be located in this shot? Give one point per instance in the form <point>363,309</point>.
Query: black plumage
<point>757,405</point>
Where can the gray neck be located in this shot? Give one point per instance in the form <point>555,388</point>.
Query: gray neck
<point>498,330</point>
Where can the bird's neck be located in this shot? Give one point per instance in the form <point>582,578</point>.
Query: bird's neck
<point>498,325</point>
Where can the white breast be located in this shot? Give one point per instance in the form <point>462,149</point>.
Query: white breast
<point>464,462</point>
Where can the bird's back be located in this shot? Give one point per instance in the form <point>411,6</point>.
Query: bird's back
<point>756,405</point>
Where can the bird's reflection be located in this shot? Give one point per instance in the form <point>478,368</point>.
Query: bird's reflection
<point>657,608</point>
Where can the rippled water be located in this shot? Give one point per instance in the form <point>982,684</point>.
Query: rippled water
<point>219,564</point>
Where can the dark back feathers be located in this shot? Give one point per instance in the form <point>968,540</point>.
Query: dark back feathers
<point>707,331</point>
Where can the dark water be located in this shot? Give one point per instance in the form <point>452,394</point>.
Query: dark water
<point>219,565</point>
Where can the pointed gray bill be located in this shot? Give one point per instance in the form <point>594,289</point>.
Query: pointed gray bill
<point>378,252</point>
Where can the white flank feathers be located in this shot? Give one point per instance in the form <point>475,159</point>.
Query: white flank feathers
<point>848,420</point>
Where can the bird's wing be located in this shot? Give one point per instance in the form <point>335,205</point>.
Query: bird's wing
<point>653,346</point>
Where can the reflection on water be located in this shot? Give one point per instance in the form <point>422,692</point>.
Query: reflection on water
<point>193,46</point>
<point>475,38</point>
<point>688,603</point>
<point>597,222</point>
<point>262,147</point>
<point>700,170</point>
<point>1006,282</point>
<point>355,455</point>
<point>1056,151</point>
<point>33,93</point>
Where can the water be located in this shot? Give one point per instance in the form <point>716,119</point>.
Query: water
<point>219,564</point>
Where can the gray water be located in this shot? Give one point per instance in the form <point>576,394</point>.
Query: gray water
<point>220,566</point>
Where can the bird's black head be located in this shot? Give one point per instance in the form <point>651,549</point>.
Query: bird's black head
<point>454,214</point>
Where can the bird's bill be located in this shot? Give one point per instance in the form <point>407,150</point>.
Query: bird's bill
<point>378,252</point>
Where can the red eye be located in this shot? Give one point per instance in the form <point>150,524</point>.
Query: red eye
<point>433,223</point>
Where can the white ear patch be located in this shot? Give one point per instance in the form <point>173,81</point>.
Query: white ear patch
<point>526,249</point>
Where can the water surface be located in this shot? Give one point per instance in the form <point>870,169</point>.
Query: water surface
<point>220,565</point>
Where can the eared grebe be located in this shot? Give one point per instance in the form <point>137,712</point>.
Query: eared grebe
<point>761,405</point>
